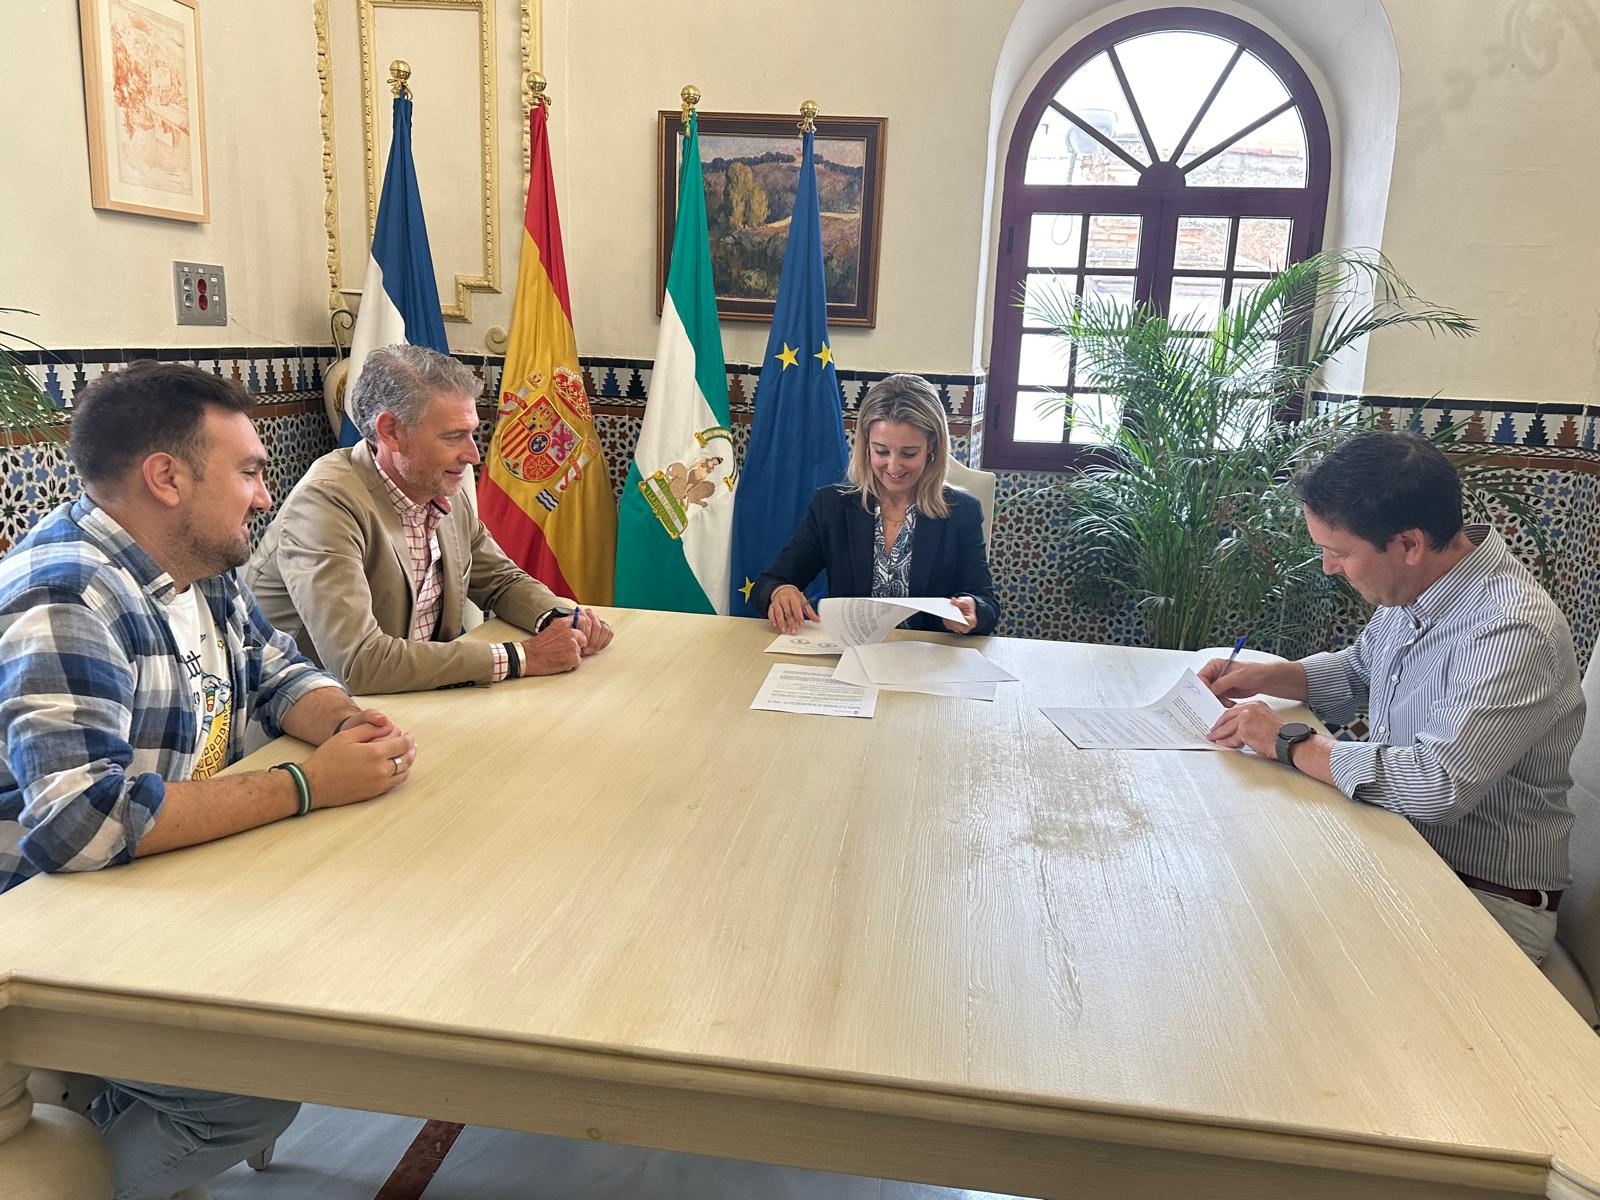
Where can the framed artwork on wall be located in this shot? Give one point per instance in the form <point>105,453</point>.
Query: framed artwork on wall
<point>143,97</point>
<point>751,163</point>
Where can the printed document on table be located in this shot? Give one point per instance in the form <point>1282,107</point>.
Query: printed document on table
<point>803,643</point>
<point>795,689</point>
<point>1179,720</point>
<point>911,664</point>
<point>850,670</point>
<point>864,620</point>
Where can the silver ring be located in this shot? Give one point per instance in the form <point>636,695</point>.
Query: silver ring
<point>399,764</point>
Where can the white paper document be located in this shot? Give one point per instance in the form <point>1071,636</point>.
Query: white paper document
<point>1179,720</point>
<point>850,670</point>
<point>795,689</point>
<point>865,620</point>
<point>803,643</point>
<point>902,663</point>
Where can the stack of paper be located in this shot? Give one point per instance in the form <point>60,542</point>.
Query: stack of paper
<point>860,623</point>
<point>853,627</point>
<point>1179,720</point>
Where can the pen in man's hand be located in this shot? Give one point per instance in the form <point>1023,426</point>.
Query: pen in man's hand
<point>1237,646</point>
<point>576,610</point>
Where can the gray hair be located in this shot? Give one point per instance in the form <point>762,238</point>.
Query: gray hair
<point>403,380</point>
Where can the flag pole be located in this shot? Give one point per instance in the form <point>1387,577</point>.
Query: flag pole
<point>690,97</point>
<point>536,91</point>
<point>808,116</point>
<point>399,73</point>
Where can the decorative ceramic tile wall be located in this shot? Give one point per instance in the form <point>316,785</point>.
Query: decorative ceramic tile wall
<point>1550,448</point>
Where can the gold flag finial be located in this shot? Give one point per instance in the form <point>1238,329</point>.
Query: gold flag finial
<point>399,72</point>
<point>690,97</point>
<point>536,86</point>
<point>808,116</point>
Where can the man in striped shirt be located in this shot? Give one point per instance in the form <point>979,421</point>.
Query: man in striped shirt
<point>375,552</point>
<point>1467,671</point>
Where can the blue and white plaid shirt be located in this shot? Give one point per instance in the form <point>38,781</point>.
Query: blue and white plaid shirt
<point>95,710</point>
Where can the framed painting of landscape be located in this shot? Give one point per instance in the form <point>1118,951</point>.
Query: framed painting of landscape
<point>146,113</point>
<point>751,164</point>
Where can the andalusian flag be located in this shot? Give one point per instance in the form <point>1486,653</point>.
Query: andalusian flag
<point>545,494</point>
<point>677,506</point>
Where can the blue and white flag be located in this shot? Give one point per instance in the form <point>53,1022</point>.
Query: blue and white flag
<point>797,438</point>
<point>399,300</point>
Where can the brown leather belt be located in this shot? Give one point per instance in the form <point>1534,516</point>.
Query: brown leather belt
<point>1532,897</point>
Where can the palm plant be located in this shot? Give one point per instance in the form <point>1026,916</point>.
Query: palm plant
<point>26,410</point>
<point>1187,516</point>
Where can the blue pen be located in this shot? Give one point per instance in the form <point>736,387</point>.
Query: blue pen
<point>1237,646</point>
<point>576,610</point>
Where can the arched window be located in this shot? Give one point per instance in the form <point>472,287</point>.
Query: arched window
<point>1175,158</point>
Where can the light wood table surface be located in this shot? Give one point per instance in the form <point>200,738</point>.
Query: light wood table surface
<point>940,945</point>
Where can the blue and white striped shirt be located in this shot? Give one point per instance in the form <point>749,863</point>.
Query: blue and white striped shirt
<point>95,708</point>
<point>1475,706</point>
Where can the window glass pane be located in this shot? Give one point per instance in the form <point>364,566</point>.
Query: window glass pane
<point>1095,419</point>
<point>1062,153</point>
<point>1252,91</point>
<point>1048,298</point>
<point>1041,417</point>
<point>1092,91</point>
<point>1050,160</point>
<point>1272,156</point>
<point>1053,239</point>
<point>1202,244</point>
<point>1043,361</point>
<point>1196,303</point>
<point>1170,73</point>
<point>1116,288</point>
<point>1113,241</point>
<point>1263,244</point>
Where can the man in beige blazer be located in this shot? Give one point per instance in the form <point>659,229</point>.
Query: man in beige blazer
<point>372,556</point>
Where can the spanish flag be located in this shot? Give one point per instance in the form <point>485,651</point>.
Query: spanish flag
<point>546,495</point>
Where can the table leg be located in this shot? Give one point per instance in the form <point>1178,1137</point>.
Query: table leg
<point>47,1153</point>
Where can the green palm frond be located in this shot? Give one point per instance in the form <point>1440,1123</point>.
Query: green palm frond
<point>1188,520</point>
<point>25,408</point>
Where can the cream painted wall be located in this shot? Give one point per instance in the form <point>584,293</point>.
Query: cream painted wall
<point>927,65</point>
<point>104,278</point>
<point>1494,198</point>
<point>1490,207</point>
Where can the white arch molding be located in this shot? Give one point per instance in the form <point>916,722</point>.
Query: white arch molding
<point>1346,47</point>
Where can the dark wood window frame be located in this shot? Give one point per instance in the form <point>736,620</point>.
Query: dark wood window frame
<point>1160,199</point>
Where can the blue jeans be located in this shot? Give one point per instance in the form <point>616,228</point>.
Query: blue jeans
<point>164,1139</point>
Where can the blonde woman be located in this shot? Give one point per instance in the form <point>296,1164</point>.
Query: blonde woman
<point>896,529</point>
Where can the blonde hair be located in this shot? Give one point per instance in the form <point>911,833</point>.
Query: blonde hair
<point>903,400</point>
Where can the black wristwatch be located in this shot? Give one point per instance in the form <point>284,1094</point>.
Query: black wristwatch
<point>550,616</point>
<point>1290,736</point>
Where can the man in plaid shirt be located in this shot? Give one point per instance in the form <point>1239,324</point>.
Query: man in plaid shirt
<point>131,663</point>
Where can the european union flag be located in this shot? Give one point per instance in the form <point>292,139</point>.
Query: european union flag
<point>797,442</point>
<point>399,299</point>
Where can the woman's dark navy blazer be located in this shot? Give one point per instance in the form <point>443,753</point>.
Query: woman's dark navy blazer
<point>947,555</point>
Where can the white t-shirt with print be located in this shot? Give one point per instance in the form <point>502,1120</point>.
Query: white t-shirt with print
<point>204,656</point>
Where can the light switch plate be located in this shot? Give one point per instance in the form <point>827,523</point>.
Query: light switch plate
<point>200,293</point>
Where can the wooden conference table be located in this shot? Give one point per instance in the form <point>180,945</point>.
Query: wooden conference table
<point>938,945</point>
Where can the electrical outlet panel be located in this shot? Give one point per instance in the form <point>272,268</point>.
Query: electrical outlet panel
<point>200,294</point>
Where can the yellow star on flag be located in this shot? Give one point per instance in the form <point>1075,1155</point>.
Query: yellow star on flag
<point>788,358</point>
<point>825,355</point>
<point>749,584</point>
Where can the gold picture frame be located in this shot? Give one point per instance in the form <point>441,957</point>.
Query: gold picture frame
<point>144,103</point>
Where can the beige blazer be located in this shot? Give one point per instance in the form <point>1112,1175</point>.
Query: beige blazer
<point>334,573</point>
